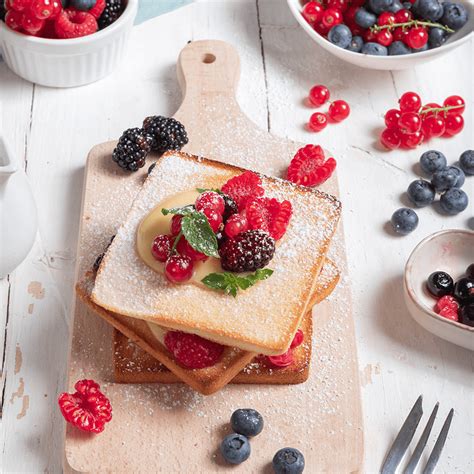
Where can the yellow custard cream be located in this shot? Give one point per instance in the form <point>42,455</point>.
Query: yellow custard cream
<point>155,223</point>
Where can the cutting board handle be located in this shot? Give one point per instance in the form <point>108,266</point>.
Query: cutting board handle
<point>208,67</point>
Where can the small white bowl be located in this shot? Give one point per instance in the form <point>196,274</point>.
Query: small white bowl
<point>69,62</point>
<point>451,251</point>
<point>386,62</point>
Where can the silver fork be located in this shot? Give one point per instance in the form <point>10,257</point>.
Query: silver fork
<point>405,435</point>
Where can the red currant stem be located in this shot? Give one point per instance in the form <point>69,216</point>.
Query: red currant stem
<point>377,28</point>
<point>175,243</point>
<point>440,109</point>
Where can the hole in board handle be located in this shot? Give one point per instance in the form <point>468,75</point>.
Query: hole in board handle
<point>208,58</point>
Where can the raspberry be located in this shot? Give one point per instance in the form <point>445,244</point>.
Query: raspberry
<point>178,268</point>
<point>74,24</point>
<point>309,167</point>
<point>210,200</point>
<point>446,302</point>
<point>97,9</point>
<point>282,360</point>
<point>191,351</point>
<point>244,188</point>
<point>298,339</point>
<point>236,224</point>
<point>249,251</point>
<point>449,313</point>
<point>184,248</point>
<point>269,215</point>
<point>161,248</point>
<point>88,408</point>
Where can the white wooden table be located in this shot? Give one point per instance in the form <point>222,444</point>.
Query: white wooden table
<point>52,131</point>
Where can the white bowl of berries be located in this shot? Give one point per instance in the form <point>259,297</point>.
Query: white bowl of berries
<point>439,285</point>
<point>386,34</point>
<point>65,43</point>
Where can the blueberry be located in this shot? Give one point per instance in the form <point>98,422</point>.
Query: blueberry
<point>431,10</point>
<point>340,35</point>
<point>397,48</point>
<point>455,15</point>
<point>374,49</point>
<point>83,5</point>
<point>437,37</point>
<point>444,179</point>
<point>421,193</point>
<point>379,6</point>
<point>364,18</point>
<point>464,290</point>
<point>466,162</point>
<point>423,48</point>
<point>440,284</point>
<point>461,177</point>
<point>404,221</point>
<point>432,161</point>
<point>396,6</point>
<point>288,461</point>
<point>453,201</point>
<point>407,5</point>
<point>470,271</point>
<point>235,448</point>
<point>247,422</point>
<point>356,44</point>
<point>466,314</point>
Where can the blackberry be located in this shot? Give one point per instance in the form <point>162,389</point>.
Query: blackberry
<point>167,133</point>
<point>230,207</point>
<point>132,149</point>
<point>113,9</point>
<point>247,252</point>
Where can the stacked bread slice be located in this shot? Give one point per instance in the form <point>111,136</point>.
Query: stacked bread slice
<point>261,321</point>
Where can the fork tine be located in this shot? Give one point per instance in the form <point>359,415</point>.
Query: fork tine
<point>422,442</point>
<point>403,439</point>
<point>439,445</point>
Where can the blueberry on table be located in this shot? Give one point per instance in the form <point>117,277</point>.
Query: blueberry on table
<point>340,35</point>
<point>374,49</point>
<point>431,10</point>
<point>356,44</point>
<point>440,284</point>
<point>235,448</point>
<point>461,177</point>
<point>432,161</point>
<point>466,314</point>
<point>247,422</point>
<point>455,15</point>
<point>379,6</point>
<point>421,193</point>
<point>466,162</point>
<point>364,18</point>
<point>464,290</point>
<point>444,179</point>
<point>453,201</point>
<point>437,37</point>
<point>288,461</point>
<point>398,48</point>
<point>404,221</point>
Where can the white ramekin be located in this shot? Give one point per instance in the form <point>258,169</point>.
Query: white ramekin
<point>70,62</point>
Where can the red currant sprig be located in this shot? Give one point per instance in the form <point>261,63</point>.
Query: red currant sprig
<point>410,24</point>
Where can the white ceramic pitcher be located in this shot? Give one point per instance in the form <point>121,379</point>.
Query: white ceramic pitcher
<point>18,216</point>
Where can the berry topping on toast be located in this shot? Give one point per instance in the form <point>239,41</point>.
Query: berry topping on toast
<point>269,215</point>
<point>244,188</point>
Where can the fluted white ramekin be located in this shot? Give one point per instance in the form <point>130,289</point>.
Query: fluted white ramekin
<point>68,62</point>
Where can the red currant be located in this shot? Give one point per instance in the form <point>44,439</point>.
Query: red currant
<point>399,34</point>
<point>213,217</point>
<point>312,12</point>
<point>341,5</point>
<point>184,248</point>
<point>431,105</point>
<point>210,200</point>
<point>454,125</point>
<point>331,17</point>
<point>417,37</point>
<point>176,224</point>
<point>321,28</point>
<point>318,122</point>
<point>13,20</point>
<point>318,95</point>
<point>411,140</point>
<point>390,138</point>
<point>349,16</point>
<point>403,16</point>
<point>178,268</point>
<point>357,3</point>
<point>356,30</point>
<point>235,224</point>
<point>369,36</point>
<point>42,9</point>
<point>20,5</point>
<point>161,248</point>
<point>57,9</point>
<point>409,122</point>
<point>384,37</point>
<point>433,126</point>
<point>386,18</point>
<point>391,118</point>
<point>31,24</point>
<point>410,102</point>
<point>339,110</point>
<point>455,101</point>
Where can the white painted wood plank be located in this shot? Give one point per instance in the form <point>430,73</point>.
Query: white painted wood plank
<point>393,350</point>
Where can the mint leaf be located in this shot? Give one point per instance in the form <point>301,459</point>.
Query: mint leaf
<point>198,233</point>
<point>203,190</point>
<point>230,283</point>
<point>182,211</point>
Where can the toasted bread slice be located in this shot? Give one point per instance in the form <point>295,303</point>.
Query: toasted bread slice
<point>262,319</point>
<point>135,365</point>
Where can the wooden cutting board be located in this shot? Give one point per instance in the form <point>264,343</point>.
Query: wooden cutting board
<point>171,428</point>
